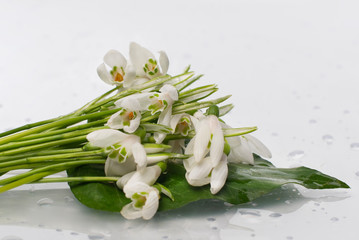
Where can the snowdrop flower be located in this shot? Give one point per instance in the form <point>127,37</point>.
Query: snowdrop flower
<point>145,201</point>
<point>243,147</point>
<point>146,64</point>
<point>154,102</point>
<point>125,119</point>
<point>115,70</point>
<point>125,151</point>
<point>138,187</point>
<point>182,123</point>
<point>209,163</point>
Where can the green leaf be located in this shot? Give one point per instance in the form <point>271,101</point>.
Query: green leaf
<point>244,184</point>
<point>97,195</point>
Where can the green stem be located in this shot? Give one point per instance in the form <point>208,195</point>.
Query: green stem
<point>79,139</point>
<point>78,179</point>
<point>62,122</point>
<point>40,153</point>
<point>51,168</point>
<point>52,158</point>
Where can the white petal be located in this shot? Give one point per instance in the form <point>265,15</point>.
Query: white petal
<point>130,212</point>
<point>203,136</point>
<point>219,175</point>
<point>258,147</point>
<point>124,179</point>
<point>170,91</point>
<point>130,76</point>
<point>174,121</point>
<point>190,146</point>
<point>164,62</point>
<point>198,182</point>
<point>240,150</point>
<point>135,187</point>
<point>139,155</point>
<point>115,121</point>
<point>115,58</point>
<point>134,123</point>
<point>139,57</point>
<point>151,205</point>
<point>148,175</point>
<point>177,145</point>
<point>114,168</point>
<point>135,102</point>
<point>200,170</point>
<point>217,143</point>
<point>189,163</point>
<point>104,74</point>
<point>105,137</point>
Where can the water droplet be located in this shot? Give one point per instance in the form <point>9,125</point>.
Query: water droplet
<point>253,235</point>
<point>11,238</point>
<point>69,199</point>
<point>275,215</point>
<point>274,134</point>
<point>214,228</point>
<point>165,237</point>
<point>357,173</point>
<point>317,204</point>
<point>74,233</point>
<point>249,212</point>
<point>96,237</point>
<point>45,202</point>
<point>211,219</point>
<point>312,121</point>
<point>354,146</point>
<point>228,204</point>
<point>316,107</point>
<point>328,139</point>
<point>287,202</point>
<point>346,111</point>
<point>289,238</point>
<point>334,219</point>
<point>295,155</point>
<point>254,204</point>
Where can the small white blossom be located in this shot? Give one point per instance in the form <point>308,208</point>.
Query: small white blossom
<point>146,65</point>
<point>125,151</point>
<point>115,70</point>
<point>138,187</point>
<point>125,119</point>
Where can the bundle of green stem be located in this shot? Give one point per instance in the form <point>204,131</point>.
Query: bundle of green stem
<point>54,145</point>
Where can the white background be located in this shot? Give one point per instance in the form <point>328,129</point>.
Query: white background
<point>291,66</point>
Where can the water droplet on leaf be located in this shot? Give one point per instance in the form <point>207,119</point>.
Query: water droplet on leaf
<point>275,215</point>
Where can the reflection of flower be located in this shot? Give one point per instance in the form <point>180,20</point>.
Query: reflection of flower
<point>119,71</point>
<point>125,119</point>
<point>125,151</point>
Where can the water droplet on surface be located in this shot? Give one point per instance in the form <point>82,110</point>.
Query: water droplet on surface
<point>96,237</point>
<point>287,202</point>
<point>11,238</point>
<point>211,219</point>
<point>228,204</point>
<point>346,111</point>
<point>289,238</point>
<point>354,146</point>
<point>328,139</point>
<point>297,154</point>
<point>45,202</point>
<point>249,212</point>
<point>312,121</point>
<point>357,173</point>
<point>275,215</point>
<point>274,134</point>
<point>334,219</point>
<point>214,228</point>
<point>69,199</point>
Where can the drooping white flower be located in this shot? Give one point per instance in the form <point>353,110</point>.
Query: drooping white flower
<point>208,163</point>
<point>125,119</point>
<point>203,173</point>
<point>145,201</point>
<point>138,187</point>
<point>125,151</point>
<point>115,70</point>
<point>145,63</point>
<point>243,147</point>
<point>182,123</point>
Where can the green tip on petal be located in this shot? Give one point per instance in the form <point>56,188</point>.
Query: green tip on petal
<point>213,110</point>
<point>162,165</point>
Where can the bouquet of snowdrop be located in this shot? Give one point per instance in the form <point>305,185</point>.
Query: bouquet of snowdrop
<point>151,143</point>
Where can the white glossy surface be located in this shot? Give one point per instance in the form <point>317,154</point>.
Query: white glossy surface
<point>292,67</point>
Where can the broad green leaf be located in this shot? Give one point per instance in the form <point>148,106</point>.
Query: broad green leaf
<point>244,184</point>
